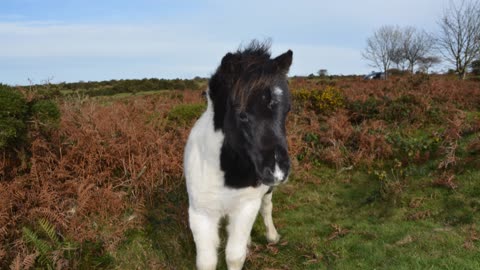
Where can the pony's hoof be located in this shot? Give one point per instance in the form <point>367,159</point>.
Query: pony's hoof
<point>273,239</point>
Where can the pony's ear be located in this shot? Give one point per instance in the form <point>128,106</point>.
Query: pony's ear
<point>283,62</point>
<point>227,64</point>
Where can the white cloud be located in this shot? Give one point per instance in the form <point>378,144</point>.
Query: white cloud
<point>322,34</point>
<point>47,39</point>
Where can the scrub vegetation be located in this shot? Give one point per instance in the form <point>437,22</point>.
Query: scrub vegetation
<point>386,175</point>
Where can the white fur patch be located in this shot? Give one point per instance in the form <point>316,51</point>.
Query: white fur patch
<point>278,173</point>
<point>277,91</point>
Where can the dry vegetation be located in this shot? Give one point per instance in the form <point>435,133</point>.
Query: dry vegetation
<point>94,176</point>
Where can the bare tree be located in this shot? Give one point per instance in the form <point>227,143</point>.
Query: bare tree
<point>425,63</point>
<point>382,46</point>
<point>322,72</point>
<point>459,37</point>
<point>398,58</point>
<point>416,44</point>
<point>413,45</point>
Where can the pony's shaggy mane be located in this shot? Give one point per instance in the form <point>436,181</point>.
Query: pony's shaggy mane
<point>243,72</point>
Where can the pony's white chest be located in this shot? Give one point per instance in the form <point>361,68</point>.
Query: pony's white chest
<point>205,179</point>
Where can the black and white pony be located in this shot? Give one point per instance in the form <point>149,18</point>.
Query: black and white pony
<point>237,152</point>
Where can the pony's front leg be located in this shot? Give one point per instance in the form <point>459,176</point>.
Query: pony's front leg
<point>266,211</point>
<point>239,227</point>
<point>205,233</point>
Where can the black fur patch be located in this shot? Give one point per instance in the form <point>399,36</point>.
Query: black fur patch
<point>240,91</point>
<point>239,171</point>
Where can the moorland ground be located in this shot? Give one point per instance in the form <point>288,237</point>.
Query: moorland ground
<point>385,176</point>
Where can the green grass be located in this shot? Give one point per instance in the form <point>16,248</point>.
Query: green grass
<point>122,95</point>
<point>333,221</point>
<point>342,223</point>
<point>140,93</point>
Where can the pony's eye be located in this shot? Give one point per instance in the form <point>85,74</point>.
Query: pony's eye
<point>243,117</point>
<point>266,96</point>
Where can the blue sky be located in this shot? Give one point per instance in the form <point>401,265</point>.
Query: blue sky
<point>101,40</point>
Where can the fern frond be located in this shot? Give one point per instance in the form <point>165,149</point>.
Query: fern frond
<point>49,230</point>
<point>3,231</point>
<point>29,261</point>
<point>3,254</point>
<point>29,236</point>
<point>51,215</point>
<point>41,246</point>
<point>45,262</point>
<point>16,263</point>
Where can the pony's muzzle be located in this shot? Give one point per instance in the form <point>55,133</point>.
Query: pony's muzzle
<point>278,174</point>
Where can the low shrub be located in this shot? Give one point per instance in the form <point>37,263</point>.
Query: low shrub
<point>17,113</point>
<point>363,110</point>
<point>414,149</point>
<point>185,113</point>
<point>13,116</point>
<point>23,115</point>
<point>404,109</point>
<point>46,114</point>
<point>391,181</point>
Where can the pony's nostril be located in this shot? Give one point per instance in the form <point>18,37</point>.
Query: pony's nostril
<point>243,117</point>
<point>283,162</point>
<point>278,173</point>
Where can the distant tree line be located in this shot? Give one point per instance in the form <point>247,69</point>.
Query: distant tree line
<point>112,87</point>
<point>413,50</point>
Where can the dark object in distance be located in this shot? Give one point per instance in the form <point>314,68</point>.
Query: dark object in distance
<point>375,76</point>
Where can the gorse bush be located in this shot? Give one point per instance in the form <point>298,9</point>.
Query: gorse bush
<point>13,116</point>
<point>330,99</point>
<point>46,114</point>
<point>322,101</point>
<point>17,114</point>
